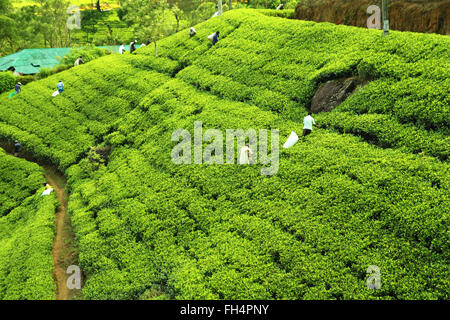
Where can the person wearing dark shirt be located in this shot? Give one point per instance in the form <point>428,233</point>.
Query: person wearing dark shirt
<point>18,87</point>
<point>16,148</point>
<point>133,46</point>
<point>60,86</point>
<point>215,38</point>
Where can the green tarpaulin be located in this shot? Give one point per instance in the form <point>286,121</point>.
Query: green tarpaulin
<point>29,61</point>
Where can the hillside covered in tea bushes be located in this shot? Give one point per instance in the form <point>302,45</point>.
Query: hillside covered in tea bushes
<point>370,187</point>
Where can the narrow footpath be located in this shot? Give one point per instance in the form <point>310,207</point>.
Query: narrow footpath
<point>64,251</point>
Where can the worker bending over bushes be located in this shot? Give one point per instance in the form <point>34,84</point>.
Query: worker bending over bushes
<point>60,86</point>
<point>308,123</point>
<point>214,37</point>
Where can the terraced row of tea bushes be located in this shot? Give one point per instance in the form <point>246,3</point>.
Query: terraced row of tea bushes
<point>419,101</point>
<point>26,243</point>
<point>26,232</point>
<point>286,13</point>
<point>37,122</point>
<point>62,128</point>
<point>145,225</point>
<point>19,180</point>
<point>179,50</point>
<point>386,132</point>
<point>411,113</point>
<point>229,89</point>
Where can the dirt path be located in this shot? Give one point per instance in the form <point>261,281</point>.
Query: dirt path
<point>64,250</point>
<point>62,254</point>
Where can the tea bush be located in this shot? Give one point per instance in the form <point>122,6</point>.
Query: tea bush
<point>26,232</point>
<point>20,179</point>
<point>7,81</point>
<point>386,132</point>
<point>26,243</point>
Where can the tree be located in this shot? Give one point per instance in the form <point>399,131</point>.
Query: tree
<point>6,26</point>
<point>53,19</point>
<point>6,34</point>
<point>151,19</point>
<point>21,29</point>
<point>185,11</point>
<point>5,6</point>
<point>178,13</point>
<point>89,25</point>
<point>205,10</point>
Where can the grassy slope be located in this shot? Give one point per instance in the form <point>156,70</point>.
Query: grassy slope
<point>26,234</point>
<point>149,228</point>
<point>20,179</point>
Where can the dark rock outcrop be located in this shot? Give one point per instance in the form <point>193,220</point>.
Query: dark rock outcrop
<point>332,93</point>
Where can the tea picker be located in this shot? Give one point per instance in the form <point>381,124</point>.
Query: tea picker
<point>17,146</point>
<point>133,46</point>
<point>18,87</point>
<point>121,49</point>
<point>214,37</point>
<point>308,123</point>
<point>192,32</point>
<point>245,154</point>
<point>48,190</point>
<point>78,61</point>
<point>60,87</point>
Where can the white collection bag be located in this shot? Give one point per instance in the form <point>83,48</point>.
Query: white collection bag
<point>47,192</point>
<point>292,140</point>
<point>55,93</point>
<point>211,37</point>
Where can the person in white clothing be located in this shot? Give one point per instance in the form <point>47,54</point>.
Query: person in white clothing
<point>48,190</point>
<point>245,155</point>
<point>192,32</point>
<point>308,123</point>
<point>121,49</point>
<point>78,61</point>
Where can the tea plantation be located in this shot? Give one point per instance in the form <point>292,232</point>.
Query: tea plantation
<point>370,187</point>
